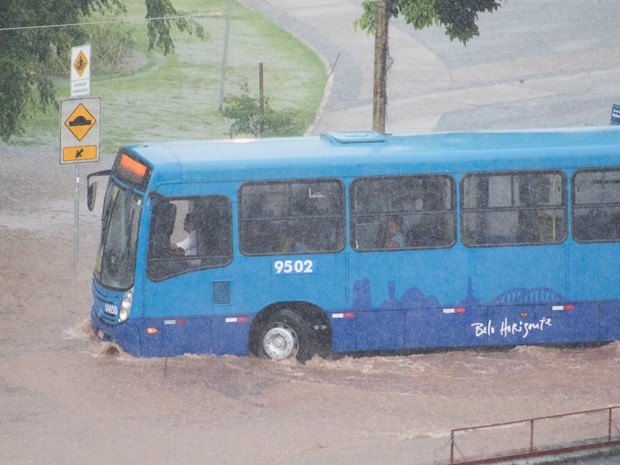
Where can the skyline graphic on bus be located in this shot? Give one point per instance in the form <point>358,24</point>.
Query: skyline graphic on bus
<point>414,298</point>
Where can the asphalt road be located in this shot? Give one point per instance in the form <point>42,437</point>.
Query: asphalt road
<point>549,64</point>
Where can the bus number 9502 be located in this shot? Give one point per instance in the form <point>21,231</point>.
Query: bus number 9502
<point>293,266</point>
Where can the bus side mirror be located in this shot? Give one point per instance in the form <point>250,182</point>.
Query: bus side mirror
<point>91,189</point>
<point>91,196</point>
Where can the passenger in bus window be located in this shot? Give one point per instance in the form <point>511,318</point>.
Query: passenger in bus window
<point>394,238</point>
<point>187,246</point>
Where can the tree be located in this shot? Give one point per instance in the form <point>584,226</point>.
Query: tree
<point>457,16</point>
<point>159,29</point>
<point>33,47</point>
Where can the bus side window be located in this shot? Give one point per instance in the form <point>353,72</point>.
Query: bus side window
<point>189,234</point>
<point>213,230</point>
<point>513,208</point>
<point>596,205</point>
<point>161,261</point>
<point>301,216</point>
<point>403,212</point>
<point>163,226</point>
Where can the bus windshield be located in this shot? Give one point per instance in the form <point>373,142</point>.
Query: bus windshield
<point>116,259</point>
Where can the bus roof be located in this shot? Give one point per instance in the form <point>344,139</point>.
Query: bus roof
<point>368,153</point>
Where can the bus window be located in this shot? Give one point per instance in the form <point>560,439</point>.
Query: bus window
<point>517,208</point>
<point>291,217</point>
<point>410,212</point>
<point>189,234</point>
<point>596,205</point>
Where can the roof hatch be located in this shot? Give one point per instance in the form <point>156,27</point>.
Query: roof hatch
<point>353,137</point>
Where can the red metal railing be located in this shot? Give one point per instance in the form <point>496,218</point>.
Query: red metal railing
<point>549,435</point>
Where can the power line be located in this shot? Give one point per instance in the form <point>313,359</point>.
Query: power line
<point>120,21</point>
<point>164,18</point>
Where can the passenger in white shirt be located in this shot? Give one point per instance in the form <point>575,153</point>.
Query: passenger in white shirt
<point>188,245</point>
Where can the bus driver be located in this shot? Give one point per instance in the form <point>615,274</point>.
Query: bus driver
<point>187,246</point>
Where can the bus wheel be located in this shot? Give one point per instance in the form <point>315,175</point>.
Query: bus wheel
<point>286,335</point>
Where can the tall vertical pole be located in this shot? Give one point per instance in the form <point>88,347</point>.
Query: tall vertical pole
<point>379,98</point>
<point>225,56</point>
<point>76,220</point>
<point>261,98</point>
<point>261,93</point>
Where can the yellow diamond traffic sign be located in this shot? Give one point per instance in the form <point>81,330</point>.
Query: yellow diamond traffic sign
<point>80,130</point>
<point>80,122</point>
<point>81,63</point>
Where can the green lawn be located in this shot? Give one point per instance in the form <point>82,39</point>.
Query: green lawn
<point>176,97</point>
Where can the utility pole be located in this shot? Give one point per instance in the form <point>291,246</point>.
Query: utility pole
<point>261,92</point>
<point>225,56</point>
<point>261,98</point>
<point>379,97</point>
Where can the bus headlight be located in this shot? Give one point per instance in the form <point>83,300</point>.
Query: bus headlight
<point>123,314</point>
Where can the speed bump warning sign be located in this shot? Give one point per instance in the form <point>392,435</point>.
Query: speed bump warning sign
<point>80,121</point>
<point>80,130</point>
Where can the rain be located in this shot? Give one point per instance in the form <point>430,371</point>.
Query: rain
<point>67,397</point>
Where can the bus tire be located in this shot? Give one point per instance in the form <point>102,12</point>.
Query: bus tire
<point>284,336</point>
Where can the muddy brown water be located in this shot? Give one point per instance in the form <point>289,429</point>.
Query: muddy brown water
<point>67,398</point>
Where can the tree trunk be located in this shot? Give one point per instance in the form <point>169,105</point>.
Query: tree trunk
<point>379,97</point>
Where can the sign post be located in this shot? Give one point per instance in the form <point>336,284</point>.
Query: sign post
<point>79,123</point>
<point>80,127</point>
<point>80,137</point>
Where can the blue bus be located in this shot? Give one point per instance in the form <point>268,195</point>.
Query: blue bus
<point>290,247</point>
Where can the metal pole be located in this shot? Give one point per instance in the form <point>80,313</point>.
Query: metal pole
<point>261,99</point>
<point>261,92</point>
<point>76,220</point>
<point>225,55</point>
<point>532,435</point>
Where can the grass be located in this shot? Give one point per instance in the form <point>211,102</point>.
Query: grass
<point>177,96</point>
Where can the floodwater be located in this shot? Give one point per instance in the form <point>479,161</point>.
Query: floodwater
<point>67,398</point>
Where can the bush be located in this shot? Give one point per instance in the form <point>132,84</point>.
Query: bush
<point>245,111</point>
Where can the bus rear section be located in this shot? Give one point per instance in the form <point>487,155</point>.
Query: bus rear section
<point>491,257</point>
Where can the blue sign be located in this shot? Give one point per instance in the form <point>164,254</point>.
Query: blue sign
<point>615,114</point>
